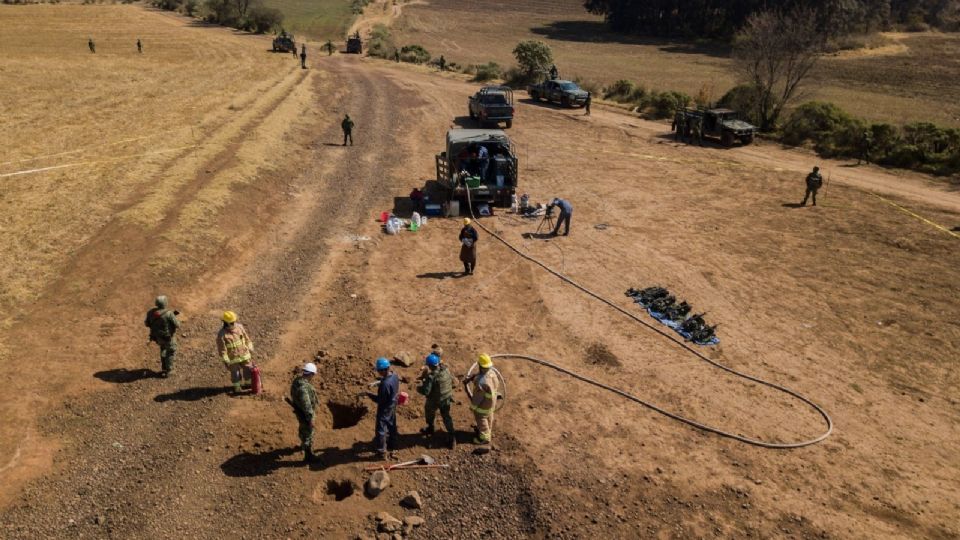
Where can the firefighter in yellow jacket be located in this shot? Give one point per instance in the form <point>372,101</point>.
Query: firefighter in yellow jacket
<point>236,350</point>
<point>483,401</point>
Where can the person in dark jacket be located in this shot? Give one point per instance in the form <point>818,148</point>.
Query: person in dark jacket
<point>303,397</point>
<point>385,438</point>
<point>163,325</point>
<point>566,210</point>
<point>814,183</point>
<point>468,247</point>
<point>303,56</point>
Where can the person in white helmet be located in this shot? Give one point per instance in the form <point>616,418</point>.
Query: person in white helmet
<point>303,397</point>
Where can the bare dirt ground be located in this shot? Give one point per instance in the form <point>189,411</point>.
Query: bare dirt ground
<point>913,82</point>
<point>852,303</point>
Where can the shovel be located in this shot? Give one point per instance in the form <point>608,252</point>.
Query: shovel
<point>422,460</point>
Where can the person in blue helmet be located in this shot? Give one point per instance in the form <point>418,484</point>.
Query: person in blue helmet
<point>436,383</point>
<point>385,438</point>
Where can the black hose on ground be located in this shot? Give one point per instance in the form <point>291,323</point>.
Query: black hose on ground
<point>671,338</point>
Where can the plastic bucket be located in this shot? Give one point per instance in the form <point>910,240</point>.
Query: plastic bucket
<point>403,398</point>
<point>384,216</point>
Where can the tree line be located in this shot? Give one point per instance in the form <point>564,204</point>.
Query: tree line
<point>721,19</point>
<point>248,15</point>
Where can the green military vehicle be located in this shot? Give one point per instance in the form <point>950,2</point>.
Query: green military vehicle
<point>692,125</point>
<point>492,104</point>
<point>490,180</point>
<point>284,42</point>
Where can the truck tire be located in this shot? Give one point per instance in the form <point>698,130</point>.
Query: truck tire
<point>726,138</point>
<point>534,96</point>
<point>472,116</point>
<point>565,101</point>
<point>509,123</point>
<point>747,139</point>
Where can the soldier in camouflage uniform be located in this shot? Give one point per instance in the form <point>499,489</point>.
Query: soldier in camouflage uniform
<point>436,383</point>
<point>304,399</point>
<point>163,325</point>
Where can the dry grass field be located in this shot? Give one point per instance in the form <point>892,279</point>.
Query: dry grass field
<point>155,144</point>
<point>915,83</point>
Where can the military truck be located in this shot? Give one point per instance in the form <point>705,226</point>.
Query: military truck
<point>354,44</point>
<point>692,125</point>
<point>459,168</point>
<point>492,104</point>
<point>283,42</point>
<point>566,93</point>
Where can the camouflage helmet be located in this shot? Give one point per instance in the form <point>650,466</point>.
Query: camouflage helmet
<point>161,301</point>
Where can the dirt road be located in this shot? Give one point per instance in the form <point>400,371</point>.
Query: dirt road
<point>846,302</point>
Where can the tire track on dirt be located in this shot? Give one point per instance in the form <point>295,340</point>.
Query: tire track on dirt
<point>134,450</point>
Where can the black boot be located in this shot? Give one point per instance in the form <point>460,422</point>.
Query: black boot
<point>429,430</point>
<point>451,441</point>
<point>309,456</point>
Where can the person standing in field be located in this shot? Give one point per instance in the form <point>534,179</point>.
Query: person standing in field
<point>586,104</point>
<point>468,247</point>
<point>93,48</point>
<point>303,56</point>
<point>139,46</point>
<point>347,127</point>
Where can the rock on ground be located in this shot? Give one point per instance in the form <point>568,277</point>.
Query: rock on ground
<point>377,482</point>
<point>412,501</point>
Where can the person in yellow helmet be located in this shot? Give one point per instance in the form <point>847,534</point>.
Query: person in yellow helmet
<point>468,247</point>
<point>236,350</point>
<point>484,398</point>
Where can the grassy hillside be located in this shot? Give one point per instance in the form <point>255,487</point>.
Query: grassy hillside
<point>912,79</point>
<point>316,19</point>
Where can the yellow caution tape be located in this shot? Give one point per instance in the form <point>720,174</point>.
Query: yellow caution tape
<point>921,218</point>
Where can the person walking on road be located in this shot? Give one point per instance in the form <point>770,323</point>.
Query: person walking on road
<point>139,46</point>
<point>436,383</point>
<point>163,325</point>
<point>303,56</point>
<point>93,48</point>
<point>385,438</point>
<point>468,247</point>
<point>814,183</point>
<point>236,350</point>
<point>483,400</point>
<point>303,397</point>
<point>566,211</point>
<point>347,127</point>
<point>586,104</point>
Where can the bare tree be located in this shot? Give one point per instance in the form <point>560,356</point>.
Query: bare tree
<point>774,53</point>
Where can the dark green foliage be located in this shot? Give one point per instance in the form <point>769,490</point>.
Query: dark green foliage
<point>487,72</point>
<point>263,19</point>
<point>834,133</point>
<point>381,43</point>
<point>516,77</point>
<point>743,99</point>
<point>356,6</point>
<point>651,104</point>
<point>533,57</point>
<point>169,5</point>
<point>721,19</point>
<point>414,54</point>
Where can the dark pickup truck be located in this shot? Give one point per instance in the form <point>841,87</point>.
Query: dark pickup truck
<point>492,105</point>
<point>566,93</point>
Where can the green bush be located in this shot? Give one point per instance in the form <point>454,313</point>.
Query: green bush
<point>665,104</point>
<point>920,146</point>
<point>533,57</point>
<point>620,91</point>
<point>487,72</point>
<point>743,99</point>
<point>381,44</point>
<point>262,19</point>
<point>515,77</point>
<point>414,54</point>
<point>356,6</point>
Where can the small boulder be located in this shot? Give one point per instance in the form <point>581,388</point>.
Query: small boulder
<point>377,482</point>
<point>412,501</point>
<point>413,521</point>
<point>387,523</point>
<point>403,359</point>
